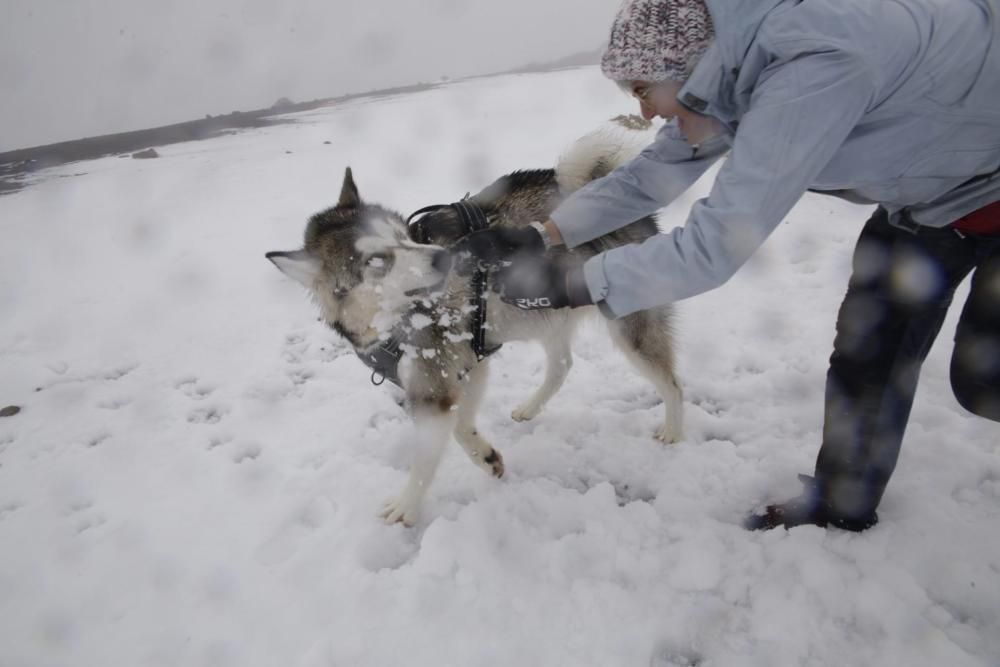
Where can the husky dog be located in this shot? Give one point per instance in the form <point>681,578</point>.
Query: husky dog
<point>373,283</point>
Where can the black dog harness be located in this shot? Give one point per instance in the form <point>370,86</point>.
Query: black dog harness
<point>383,358</point>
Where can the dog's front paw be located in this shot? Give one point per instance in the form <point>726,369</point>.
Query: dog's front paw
<point>495,463</point>
<point>525,411</point>
<point>669,434</point>
<point>401,509</point>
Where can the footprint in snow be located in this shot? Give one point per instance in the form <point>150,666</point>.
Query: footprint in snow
<point>193,389</point>
<point>667,656</point>
<point>238,452</point>
<point>293,531</point>
<point>300,376</point>
<point>710,406</point>
<point>8,508</point>
<point>85,516</point>
<point>299,350</point>
<point>246,450</point>
<point>5,441</point>
<point>207,415</point>
<point>296,346</point>
<point>630,493</point>
<point>114,403</point>
<point>96,439</point>
<point>62,369</point>
<point>90,521</point>
<point>219,441</point>
<point>119,372</point>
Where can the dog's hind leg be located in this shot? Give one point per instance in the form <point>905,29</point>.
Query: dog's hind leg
<point>647,341</point>
<point>433,420</point>
<point>478,449</point>
<point>558,361</point>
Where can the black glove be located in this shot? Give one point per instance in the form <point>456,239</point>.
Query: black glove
<point>497,244</point>
<point>531,282</point>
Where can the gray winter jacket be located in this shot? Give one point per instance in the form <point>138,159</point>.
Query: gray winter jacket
<point>895,102</point>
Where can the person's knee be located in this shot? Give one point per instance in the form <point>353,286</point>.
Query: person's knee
<point>972,392</point>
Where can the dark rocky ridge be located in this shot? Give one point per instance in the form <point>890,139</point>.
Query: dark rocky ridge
<point>16,165</point>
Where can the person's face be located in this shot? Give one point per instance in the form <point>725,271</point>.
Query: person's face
<point>660,99</point>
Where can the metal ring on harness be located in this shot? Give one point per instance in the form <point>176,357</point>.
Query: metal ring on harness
<point>383,358</point>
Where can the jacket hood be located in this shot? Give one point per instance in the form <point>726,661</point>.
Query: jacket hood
<point>736,23</point>
<point>711,88</point>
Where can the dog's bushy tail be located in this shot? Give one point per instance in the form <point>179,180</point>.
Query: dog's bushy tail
<point>595,155</point>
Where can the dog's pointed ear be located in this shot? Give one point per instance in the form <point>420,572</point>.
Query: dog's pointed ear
<point>349,191</point>
<point>297,265</point>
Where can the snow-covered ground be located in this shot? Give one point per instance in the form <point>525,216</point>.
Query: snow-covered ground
<point>195,473</point>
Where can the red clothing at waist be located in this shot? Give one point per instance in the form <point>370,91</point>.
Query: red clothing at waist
<point>985,221</point>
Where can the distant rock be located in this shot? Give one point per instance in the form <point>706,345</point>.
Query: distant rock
<point>147,154</point>
<point>581,59</point>
<point>10,411</point>
<point>283,103</point>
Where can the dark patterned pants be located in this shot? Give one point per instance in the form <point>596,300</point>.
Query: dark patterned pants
<point>902,285</point>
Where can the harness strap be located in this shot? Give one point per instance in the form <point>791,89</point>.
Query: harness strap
<point>383,359</point>
<point>473,216</point>
<point>475,220</point>
<point>480,283</point>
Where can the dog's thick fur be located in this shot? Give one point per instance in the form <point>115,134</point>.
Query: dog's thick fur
<point>369,278</point>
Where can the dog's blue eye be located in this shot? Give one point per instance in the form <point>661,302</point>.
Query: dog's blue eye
<point>379,263</point>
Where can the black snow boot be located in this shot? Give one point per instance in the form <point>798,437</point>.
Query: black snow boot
<point>810,508</point>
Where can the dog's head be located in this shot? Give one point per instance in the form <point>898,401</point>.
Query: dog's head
<point>360,266</point>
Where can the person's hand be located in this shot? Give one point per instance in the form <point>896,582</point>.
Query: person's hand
<point>533,282</point>
<point>497,244</point>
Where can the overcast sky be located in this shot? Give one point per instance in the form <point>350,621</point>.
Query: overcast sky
<point>76,68</point>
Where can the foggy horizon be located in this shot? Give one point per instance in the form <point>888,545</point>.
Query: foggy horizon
<point>120,66</point>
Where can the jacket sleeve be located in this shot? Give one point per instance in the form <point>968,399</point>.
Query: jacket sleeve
<point>647,183</point>
<point>799,114</point>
